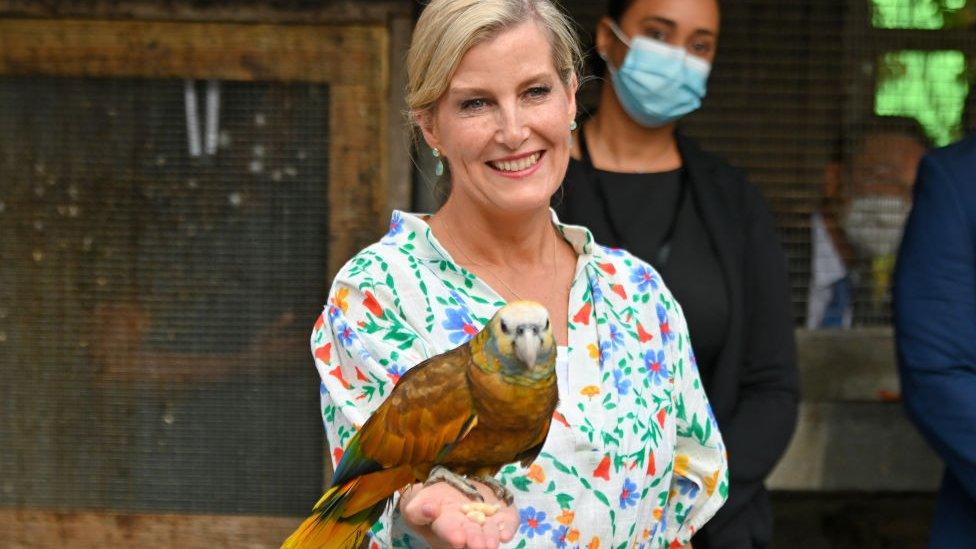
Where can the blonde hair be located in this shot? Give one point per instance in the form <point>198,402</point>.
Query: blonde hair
<point>447,29</point>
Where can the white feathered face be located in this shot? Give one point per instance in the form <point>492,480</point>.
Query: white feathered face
<point>522,330</point>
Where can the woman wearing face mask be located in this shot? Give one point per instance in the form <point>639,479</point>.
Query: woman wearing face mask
<point>639,184</point>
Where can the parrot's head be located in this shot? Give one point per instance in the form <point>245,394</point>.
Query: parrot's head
<point>522,334</point>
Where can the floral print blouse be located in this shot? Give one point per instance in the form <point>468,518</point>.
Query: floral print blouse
<point>633,458</point>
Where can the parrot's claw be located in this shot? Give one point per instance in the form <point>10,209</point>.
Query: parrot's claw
<point>461,484</point>
<point>496,487</point>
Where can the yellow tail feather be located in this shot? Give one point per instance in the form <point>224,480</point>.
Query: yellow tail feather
<point>319,533</point>
<point>344,514</point>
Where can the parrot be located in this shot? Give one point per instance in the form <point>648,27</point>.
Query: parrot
<point>464,413</point>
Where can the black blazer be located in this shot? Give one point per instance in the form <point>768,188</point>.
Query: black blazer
<point>754,386</point>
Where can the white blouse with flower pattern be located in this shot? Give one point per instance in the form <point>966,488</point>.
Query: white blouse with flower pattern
<point>633,458</point>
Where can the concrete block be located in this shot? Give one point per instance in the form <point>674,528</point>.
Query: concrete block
<point>848,365</point>
<point>858,446</point>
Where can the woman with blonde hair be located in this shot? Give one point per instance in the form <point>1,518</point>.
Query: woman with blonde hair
<point>633,455</point>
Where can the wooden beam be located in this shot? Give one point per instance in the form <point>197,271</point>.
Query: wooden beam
<point>302,12</point>
<point>341,55</point>
<point>85,529</point>
<point>357,171</point>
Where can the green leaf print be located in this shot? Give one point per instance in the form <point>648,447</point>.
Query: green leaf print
<point>600,496</point>
<point>558,464</point>
<point>521,482</point>
<point>564,500</point>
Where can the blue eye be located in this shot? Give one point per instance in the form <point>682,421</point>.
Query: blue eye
<point>538,92</point>
<point>473,104</point>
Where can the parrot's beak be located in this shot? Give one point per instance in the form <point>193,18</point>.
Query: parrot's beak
<point>527,346</point>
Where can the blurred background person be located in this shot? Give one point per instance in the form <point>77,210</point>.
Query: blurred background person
<point>854,235</point>
<point>935,330</point>
<point>640,185</point>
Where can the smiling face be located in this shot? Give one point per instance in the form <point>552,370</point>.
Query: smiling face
<point>503,123</point>
<point>688,24</point>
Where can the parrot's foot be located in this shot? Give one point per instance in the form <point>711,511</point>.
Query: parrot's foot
<point>442,474</point>
<point>496,487</point>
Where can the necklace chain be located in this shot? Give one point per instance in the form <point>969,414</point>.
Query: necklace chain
<point>494,275</point>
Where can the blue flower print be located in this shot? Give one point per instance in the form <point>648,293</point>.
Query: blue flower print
<point>621,382</point>
<point>559,536</point>
<point>604,352</point>
<point>628,495</point>
<point>644,277</point>
<point>334,312</point>
<point>687,488</point>
<point>346,334</point>
<point>657,370</point>
<point>616,337</point>
<point>396,224</point>
<point>395,372</point>
<point>533,522</point>
<point>597,293</point>
<point>460,325</point>
<point>662,317</point>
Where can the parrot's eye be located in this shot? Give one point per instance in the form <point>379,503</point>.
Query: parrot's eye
<point>547,324</point>
<point>504,326</point>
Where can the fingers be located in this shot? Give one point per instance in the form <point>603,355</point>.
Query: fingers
<point>437,513</point>
<point>420,511</point>
<point>504,524</point>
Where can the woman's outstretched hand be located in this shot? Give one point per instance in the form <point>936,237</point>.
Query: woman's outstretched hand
<point>436,514</point>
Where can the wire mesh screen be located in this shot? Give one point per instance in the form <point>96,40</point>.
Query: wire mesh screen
<point>162,257</point>
<point>812,98</point>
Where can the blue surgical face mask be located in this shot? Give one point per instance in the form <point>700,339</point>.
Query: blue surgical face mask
<point>657,83</point>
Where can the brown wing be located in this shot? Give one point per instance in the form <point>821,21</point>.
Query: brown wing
<point>428,410</point>
<point>527,457</point>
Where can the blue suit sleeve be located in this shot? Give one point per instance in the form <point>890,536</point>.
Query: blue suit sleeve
<point>935,320</point>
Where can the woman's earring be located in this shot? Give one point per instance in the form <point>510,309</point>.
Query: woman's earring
<point>573,126</point>
<point>439,167</point>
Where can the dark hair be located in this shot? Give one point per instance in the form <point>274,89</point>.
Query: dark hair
<point>617,8</point>
<point>852,141</point>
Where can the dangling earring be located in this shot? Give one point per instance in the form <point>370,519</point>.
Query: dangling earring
<point>439,167</point>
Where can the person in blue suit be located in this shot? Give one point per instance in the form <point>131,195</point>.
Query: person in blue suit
<point>935,329</point>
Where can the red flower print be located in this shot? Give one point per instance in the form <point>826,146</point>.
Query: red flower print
<point>583,315</point>
<point>603,469</point>
<point>360,376</point>
<point>337,455</point>
<point>642,334</point>
<point>661,414</point>
<point>608,268</point>
<point>619,290</point>
<point>319,323</point>
<point>324,353</point>
<point>651,469</point>
<point>560,418</point>
<point>337,373</point>
<point>373,305</point>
